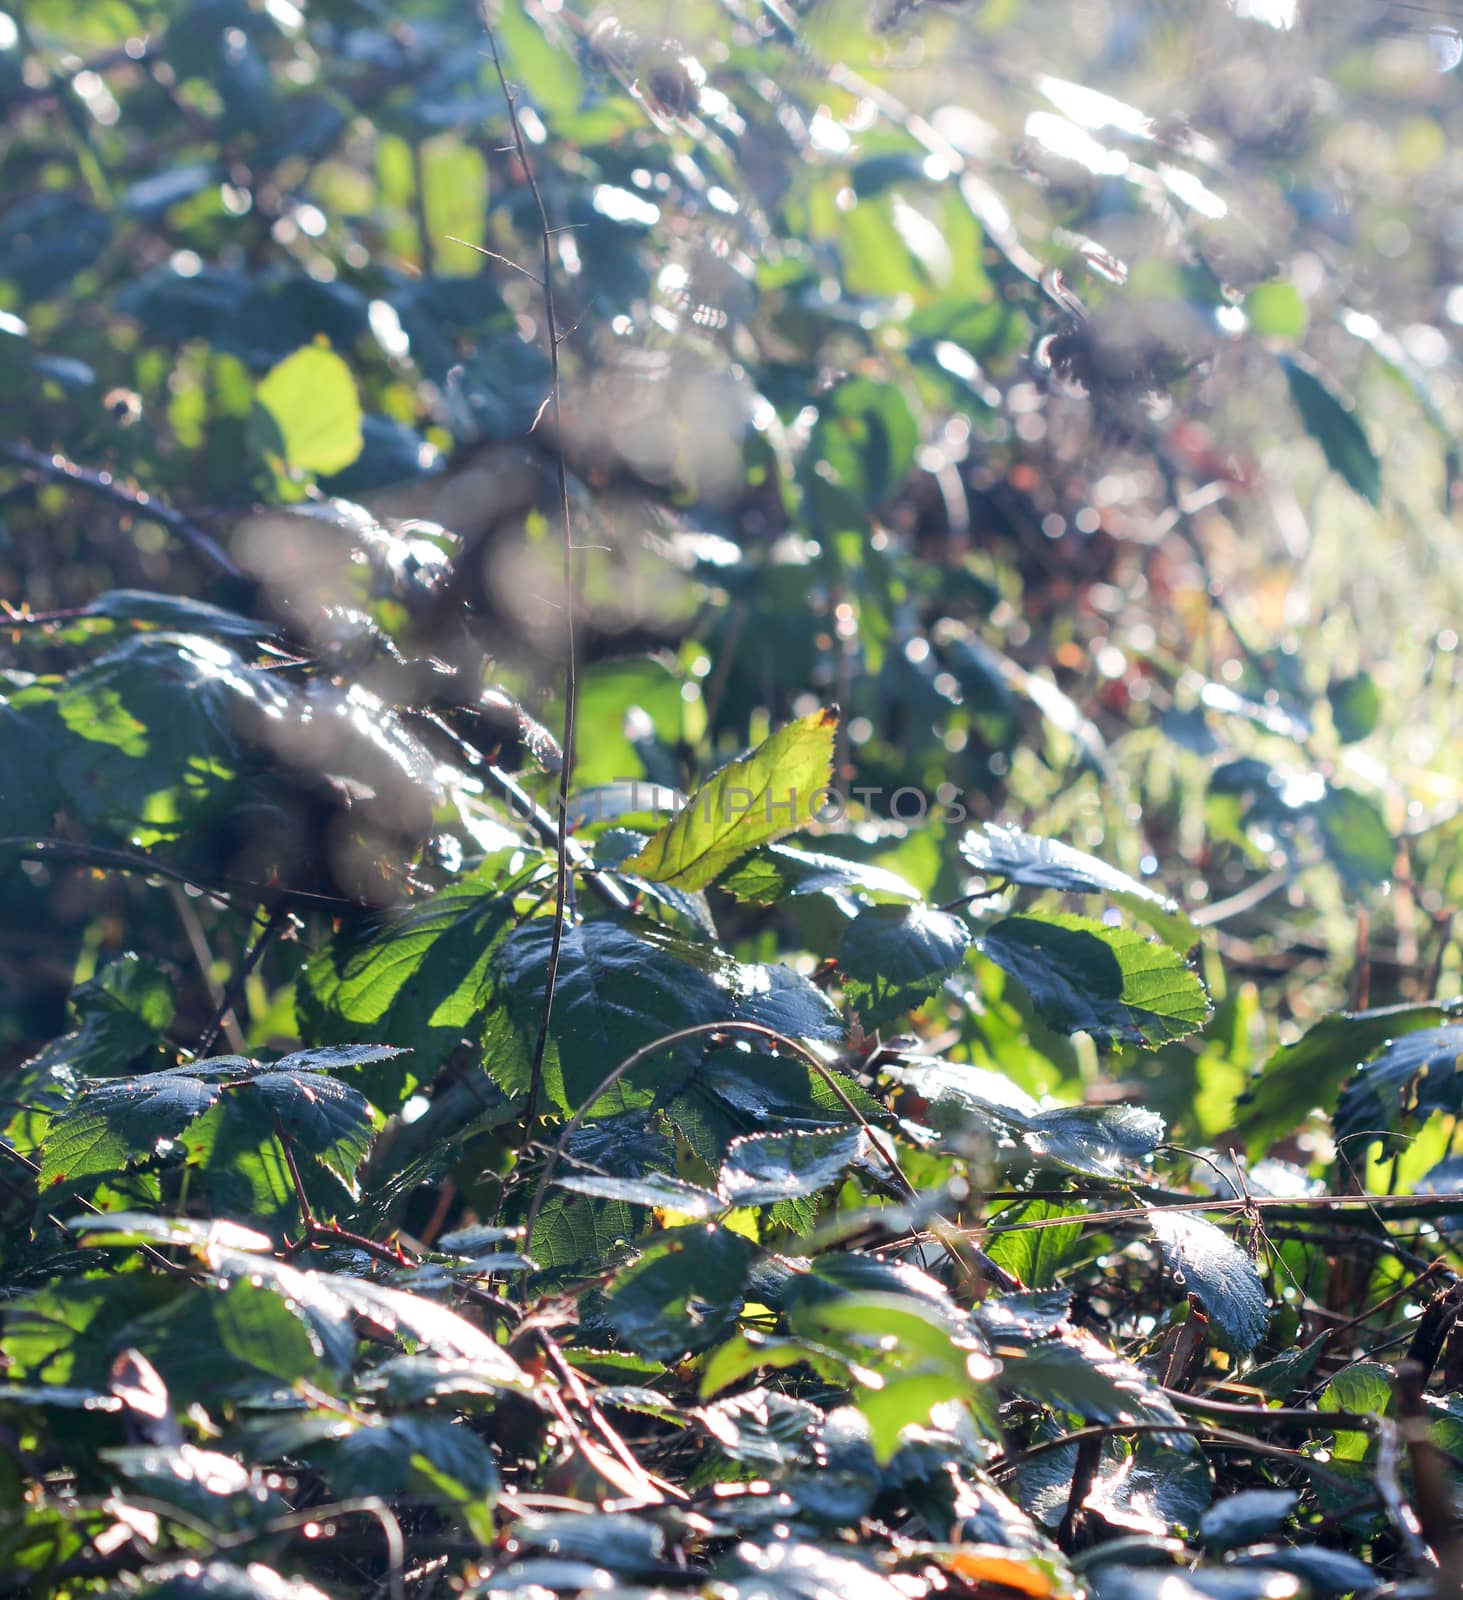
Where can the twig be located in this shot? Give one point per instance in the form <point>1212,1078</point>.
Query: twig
<point>61,469</point>
<point>571,677</point>
<point>203,960</point>
<point>229,1000</point>
<point>27,847</point>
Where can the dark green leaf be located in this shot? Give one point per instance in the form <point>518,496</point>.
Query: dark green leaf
<point>1308,1074</point>
<point>1110,982</point>
<point>763,1169</point>
<point>1244,1517</point>
<point>1212,1267</point>
<point>894,957</point>
<point>1331,421</point>
<point>115,1124</point>
<point>1356,706</point>
<point>1403,1084</point>
<point>1023,858</point>
<point>782,869</point>
<point>683,1294</point>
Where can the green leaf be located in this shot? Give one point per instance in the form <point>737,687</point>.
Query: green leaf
<point>1211,1266</point>
<point>1075,1372</point>
<point>739,1091</point>
<point>1356,706</point>
<point>310,398</point>
<point>1024,858</point>
<point>1036,1255</point>
<point>683,1294</point>
<point>1323,1570</point>
<point>443,1460</point>
<point>782,869</point>
<point>1240,1519</point>
<point>123,1011</point>
<point>421,978</point>
<point>894,957</point>
<point>748,803</point>
<point>617,990</point>
<point>654,1189</point>
<point>910,1354</point>
<point>1307,1075</point>
<point>546,71</point>
<point>177,613</point>
<point>330,1119</point>
<point>1276,311</point>
<point>766,1168</point>
<point>1365,1388</point>
<point>1109,982</point>
<point>115,1124</point>
<point>145,741</point>
<point>1357,840</point>
<point>1331,421</point>
<point>865,439</point>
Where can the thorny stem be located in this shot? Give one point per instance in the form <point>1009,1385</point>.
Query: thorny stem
<point>314,1232</point>
<point>571,678</point>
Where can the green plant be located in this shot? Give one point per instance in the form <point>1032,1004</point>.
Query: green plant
<point>599,614</point>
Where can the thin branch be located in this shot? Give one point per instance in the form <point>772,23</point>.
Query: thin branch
<point>27,847</point>
<point>61,469</point>
<point>228,1002</point>
<point>218,998</point>
<point>571,676</point>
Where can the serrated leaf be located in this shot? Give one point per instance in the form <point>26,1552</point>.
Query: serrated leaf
<point>1100,1141</point>
<point>1212,1267</point>
<point>421,978</point>
<point>618,989</point>
<point>763,1169</point>
<point>1404,1083</point>
<point>1331,421</point>
<point>1075,1372</point>
<point>1001,851</point>
<point>748,803</point>
<point>783,869</point>
<point>893,957</point>
<point>1365,1389</point>
<point>115,1124</point>
<point>1035,1255</point>
<point>330,1119</point>
<point>683,1294</point>
<point>1109,982</point>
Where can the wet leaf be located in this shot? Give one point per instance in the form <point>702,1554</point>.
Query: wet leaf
<point>1212,1267</point>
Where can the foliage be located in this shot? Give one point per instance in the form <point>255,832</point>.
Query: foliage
<point>920,1053</point>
